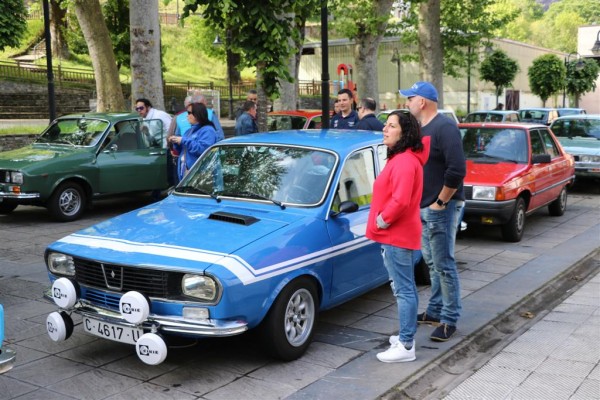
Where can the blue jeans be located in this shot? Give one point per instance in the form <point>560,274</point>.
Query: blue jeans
<point>400,263</point>
<point>438,239</point>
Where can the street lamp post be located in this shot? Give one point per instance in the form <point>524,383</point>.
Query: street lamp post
<point>578,67</point>
<point>469,79</point>
<point>396,59</point>
<point>218,42</point>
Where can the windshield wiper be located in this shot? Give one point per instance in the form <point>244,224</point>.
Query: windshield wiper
<point>252,195</point>
<point>196,190</point>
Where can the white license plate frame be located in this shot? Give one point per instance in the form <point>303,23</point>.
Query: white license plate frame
<point>114,332</point>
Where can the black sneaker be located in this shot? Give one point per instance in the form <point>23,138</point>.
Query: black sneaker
<point>423,318</point>
<point>442,333</point>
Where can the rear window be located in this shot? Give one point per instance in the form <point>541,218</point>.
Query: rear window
<point>534,116</point>
<point>577,128</point>
<point>285,122</point>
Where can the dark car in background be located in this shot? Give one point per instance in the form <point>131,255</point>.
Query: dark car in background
<point>512,171</point>
<point>538,115</point>
<point>493,116</point>
<point>579,135</point>
<point>562,112</point>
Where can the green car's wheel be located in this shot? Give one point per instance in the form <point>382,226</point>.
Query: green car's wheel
<point>68,201</point>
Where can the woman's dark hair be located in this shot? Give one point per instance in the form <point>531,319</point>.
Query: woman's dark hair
<point>410,138</point>
<point>200,112</point>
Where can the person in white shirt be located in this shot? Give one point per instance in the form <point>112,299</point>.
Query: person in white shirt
<point>147,112</point>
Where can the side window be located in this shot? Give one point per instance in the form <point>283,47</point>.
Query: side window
<point>128,136</point>
<point>315,123</point>
<point>382,156</point>
<point>356,179</point>
<point>153,134</point>
<point>549,144</point>
<point>537,146</point>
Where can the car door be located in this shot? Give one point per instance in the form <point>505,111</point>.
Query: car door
<point>134,159</point>
<point>559,164</point>
<point>359,263</point>
<point>541,173</point>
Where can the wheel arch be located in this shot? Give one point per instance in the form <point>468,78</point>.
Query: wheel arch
<point>288,280</point>
<point>81,181</point>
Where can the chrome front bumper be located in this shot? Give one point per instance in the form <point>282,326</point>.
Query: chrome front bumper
<point>11,195</point>
<point>172,324</point>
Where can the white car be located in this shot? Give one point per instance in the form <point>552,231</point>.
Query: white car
<point>382,116</point>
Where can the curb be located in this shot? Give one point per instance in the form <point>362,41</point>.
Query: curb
<point>435,380</point>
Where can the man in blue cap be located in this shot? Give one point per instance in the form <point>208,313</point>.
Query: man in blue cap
<point>441,208</point>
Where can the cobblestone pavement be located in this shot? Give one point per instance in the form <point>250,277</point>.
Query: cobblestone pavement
<point>340,363</point>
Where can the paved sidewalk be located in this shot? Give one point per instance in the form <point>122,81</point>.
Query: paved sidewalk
<point>557,358</point>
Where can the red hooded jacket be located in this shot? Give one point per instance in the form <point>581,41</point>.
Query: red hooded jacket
<point>396,196</point>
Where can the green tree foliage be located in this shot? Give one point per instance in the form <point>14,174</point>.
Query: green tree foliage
<point>525,12</point>
<point>546,76</point>
<point>499,69</point>
<point>258,31</point>
<point>558,27</point>
<point>116,15</point>
<point>12,23</point>
<point>581,81</point>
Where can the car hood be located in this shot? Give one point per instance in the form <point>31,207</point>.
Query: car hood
<point>175,234</point>
<point>589,146</point>
<point>491,174</point>
<point>18,159</point>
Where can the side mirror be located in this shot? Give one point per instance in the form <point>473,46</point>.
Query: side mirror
<point>541,159</point>
<point>346,207</point>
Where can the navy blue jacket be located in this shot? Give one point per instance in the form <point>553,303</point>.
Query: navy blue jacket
<point>347,122</point>
<point>370,123</point>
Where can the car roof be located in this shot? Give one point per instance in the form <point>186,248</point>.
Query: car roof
<point>502,125</point>
<point>300,113</point>
<point>494,112</point>
<point>112,117</point>
<point>341,141</point>
<point>538,108</point>
<point>577,116</point>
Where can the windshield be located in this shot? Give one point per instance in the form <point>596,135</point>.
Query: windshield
<point>577,128</point>
<point>290,175</point>
<point>285,122</point>
<point>495,144</point>
<point>74,132</point>
<point>533,116</point>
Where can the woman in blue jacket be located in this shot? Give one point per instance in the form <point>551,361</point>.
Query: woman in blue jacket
<point>198,138</point>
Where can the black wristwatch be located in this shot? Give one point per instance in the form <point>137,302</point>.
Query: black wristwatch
<point>440,203</point>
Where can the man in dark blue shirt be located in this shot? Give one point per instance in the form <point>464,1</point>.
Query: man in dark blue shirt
<point>366,113</point>
<point>347,118</point>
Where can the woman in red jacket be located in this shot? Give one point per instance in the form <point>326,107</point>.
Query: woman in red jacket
<point>395,222</point>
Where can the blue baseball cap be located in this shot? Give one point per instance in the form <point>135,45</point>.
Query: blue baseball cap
<point>423,89</point>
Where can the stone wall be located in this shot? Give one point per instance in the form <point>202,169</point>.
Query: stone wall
<point>9,142</point>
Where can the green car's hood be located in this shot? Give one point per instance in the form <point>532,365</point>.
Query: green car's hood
<point>37,154</point>
<point>580,145</point>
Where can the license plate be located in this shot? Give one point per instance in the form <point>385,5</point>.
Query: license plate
<point>118,333</point>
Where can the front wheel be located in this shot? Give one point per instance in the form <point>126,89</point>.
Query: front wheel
<point>67,203</point>
<point>558,206</point>
<point>289,326</point>
<point>512,231</point>
<point>6,207</point>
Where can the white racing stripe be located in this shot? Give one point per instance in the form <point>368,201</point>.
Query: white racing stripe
<point>236,265</point>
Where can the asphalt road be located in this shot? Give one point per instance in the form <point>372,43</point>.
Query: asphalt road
<point>340,363</point>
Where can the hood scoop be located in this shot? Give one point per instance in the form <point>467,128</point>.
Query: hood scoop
<point>233,218</point>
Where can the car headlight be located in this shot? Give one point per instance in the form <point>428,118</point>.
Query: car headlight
<point>61,264</point>
<point>484,193</point>
<point>200,286</point>
<point>16,177</point>
<point>589,158</point>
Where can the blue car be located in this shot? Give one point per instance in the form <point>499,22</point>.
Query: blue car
<point>265,231</point>
<point>7,356</point>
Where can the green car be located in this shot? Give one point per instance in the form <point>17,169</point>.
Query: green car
<point>83,157</point>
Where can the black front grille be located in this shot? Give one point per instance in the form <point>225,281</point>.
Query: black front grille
<point>468,192</point>
<point>123,278</point>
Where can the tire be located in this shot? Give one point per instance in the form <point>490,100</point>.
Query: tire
<point>68,202</point>
<point>422,273</point>
<point>558,206</point>
<point>6,207</point>
<point>288,328</point>
<point>512,231</point>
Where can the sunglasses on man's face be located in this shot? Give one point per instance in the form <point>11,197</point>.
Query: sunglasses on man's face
<point>140,108</point>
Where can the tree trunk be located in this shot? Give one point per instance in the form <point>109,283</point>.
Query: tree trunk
<point>430,47</point>
<point>366,53</point>
<point>289,99</point>
<point>108,87</point>
<point>58,23</point>
<point>146,73</point>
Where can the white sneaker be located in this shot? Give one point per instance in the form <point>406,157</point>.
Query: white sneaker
<point>394,339</point>
<point>397,353</point>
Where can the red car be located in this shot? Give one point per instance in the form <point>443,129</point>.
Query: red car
<point>296,119</point>
<point>513,170</point>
